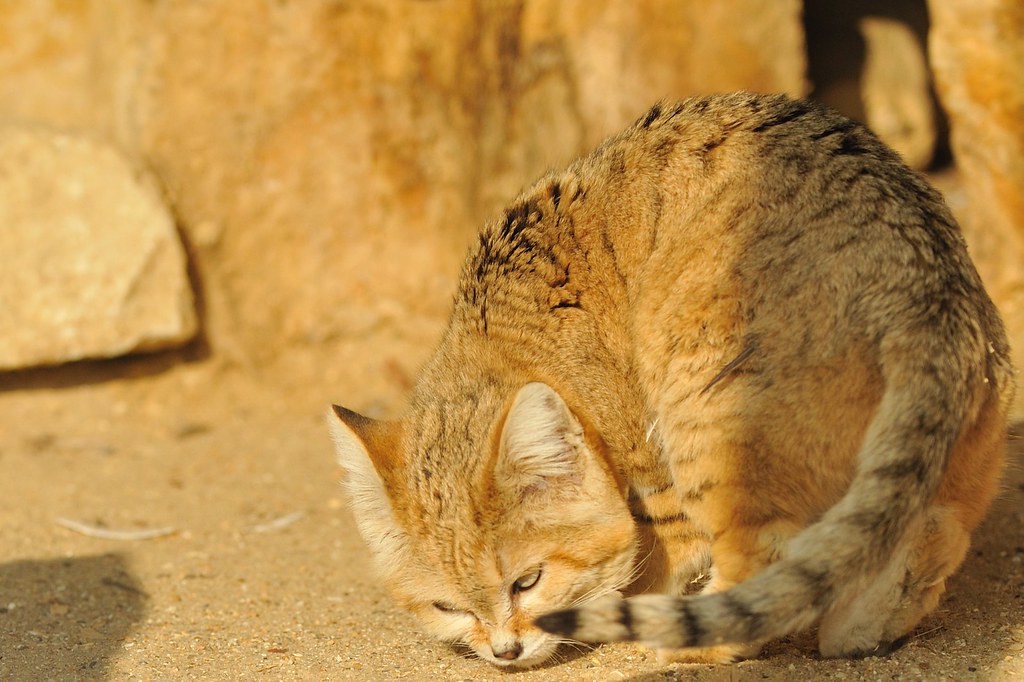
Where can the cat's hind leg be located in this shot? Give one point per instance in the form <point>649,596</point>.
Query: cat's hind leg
<point>871,616</point>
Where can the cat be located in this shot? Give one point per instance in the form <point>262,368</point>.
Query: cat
<point>738,350</point>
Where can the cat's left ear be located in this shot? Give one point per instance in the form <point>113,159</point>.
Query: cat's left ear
<point>542,443</point>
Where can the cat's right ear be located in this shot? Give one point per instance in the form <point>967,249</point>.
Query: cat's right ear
<point>370,453</point>
<point>359,439</point>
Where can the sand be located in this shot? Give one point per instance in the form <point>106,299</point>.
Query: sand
<point>261,575</point>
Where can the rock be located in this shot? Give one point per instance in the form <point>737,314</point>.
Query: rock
<point>866,58</point>
<point>91,262</point>
<point>896,89</point>
<point>330,161</point>
<point>978,58</point>
<point>346,154</point>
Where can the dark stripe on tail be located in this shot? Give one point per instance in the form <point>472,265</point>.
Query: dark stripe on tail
<point>561,622</point>
<point>626,618</point>
<point>691,625</point>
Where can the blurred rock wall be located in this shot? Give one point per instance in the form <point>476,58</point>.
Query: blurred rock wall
<point>326,161</point>
<point>977,53</point>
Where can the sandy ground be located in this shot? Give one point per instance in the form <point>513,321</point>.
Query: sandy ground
<point>264,577</point>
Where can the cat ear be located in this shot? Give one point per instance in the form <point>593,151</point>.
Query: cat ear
<point>357,438</point>
<point>541,442</point>
<point>368,451</point>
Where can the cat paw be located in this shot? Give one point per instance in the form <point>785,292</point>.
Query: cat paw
<point>881,649</point>
<point>723,653</point>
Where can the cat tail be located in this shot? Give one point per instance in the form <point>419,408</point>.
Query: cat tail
<point>937,381</point>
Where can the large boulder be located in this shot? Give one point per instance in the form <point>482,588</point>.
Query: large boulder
<point>90,261</point>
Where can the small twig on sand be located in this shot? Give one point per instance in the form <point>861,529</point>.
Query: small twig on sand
<point>111,534</point>
<point>278,523</point>
<point>927,632</point>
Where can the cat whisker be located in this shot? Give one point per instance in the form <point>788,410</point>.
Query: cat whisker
<point>615,583</point>
<point>639,566</point>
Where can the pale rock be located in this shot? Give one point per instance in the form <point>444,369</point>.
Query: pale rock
<point>868,60</point>
<point>896,89</point>
<point>90,260</point>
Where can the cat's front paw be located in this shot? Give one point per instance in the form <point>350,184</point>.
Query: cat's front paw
<point>723,653</point>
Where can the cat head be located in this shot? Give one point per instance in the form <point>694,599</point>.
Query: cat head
<point>482,514</point>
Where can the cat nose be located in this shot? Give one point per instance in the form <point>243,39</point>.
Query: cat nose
<point>508,652</point>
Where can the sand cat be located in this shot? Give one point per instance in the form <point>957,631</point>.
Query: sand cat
<point>740,349</point>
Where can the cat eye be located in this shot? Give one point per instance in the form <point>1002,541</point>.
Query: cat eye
<point>445,607</point>
<point>526,582</point>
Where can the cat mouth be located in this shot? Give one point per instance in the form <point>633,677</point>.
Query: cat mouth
<point>532,656</point>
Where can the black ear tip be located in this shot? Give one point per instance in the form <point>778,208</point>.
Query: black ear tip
<point>352,419</point>
<point>559,622</point>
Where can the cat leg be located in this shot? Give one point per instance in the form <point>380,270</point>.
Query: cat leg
<point>853,626</point>
<point>738,553</point>
<point>872,616</point>
<point>675,554</point>
<point>939,552</point>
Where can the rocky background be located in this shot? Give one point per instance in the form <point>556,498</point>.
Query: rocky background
<point>218,216</point>
<point>269,176</point>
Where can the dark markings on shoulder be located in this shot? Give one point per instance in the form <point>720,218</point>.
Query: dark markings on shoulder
<point>851,145</point>
<point>484,254</point>
<point>840,127</point>
<point>845,182</point>
<point>518,218</point>
<point>657,210</point>
<point>691,624</point>
<point>570,304</point>
<point>795,111</point>
<point>651,116</point>
<point>712,145</point>
<point>663,148</point>
<point>793,238</point>
<point>851,239</point>
<point>580,193</point>
<point>556,194</point>
<point>700,108</point>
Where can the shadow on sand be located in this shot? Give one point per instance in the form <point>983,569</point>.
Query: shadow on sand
<point>65,618</point>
